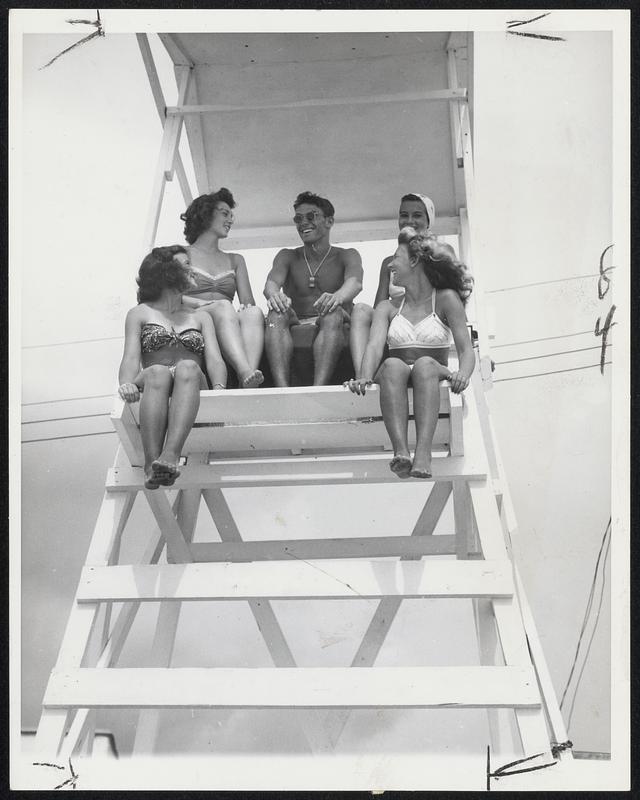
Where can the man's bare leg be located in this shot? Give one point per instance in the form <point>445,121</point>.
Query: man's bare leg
<point>279,347</point>
<point>327,347</point>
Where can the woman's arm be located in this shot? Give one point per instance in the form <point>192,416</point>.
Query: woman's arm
<point>214,363</point>
<point>375,348</point>
<point>382,292</point>
<point>243,284</point>
<point>457,321</point>
<point>130,364</point>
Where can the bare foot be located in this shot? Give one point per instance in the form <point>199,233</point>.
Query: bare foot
<point>164,472</point>
<point>150,480</point>
<point>400,465</point>
<point>252,379</point>
<point>421,470</point>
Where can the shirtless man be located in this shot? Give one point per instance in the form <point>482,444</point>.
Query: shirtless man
<point>313,285</point>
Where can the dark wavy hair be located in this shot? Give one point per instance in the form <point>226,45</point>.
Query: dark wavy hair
<point>326,206</point>
<point>197,217</point>
<point>443,270</point>
<point>159,270</point>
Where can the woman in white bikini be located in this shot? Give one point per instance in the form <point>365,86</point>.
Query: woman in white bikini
<point>218,277</point>
<point>166,347</point>
<point>416,211</point>
<point>417,329</point>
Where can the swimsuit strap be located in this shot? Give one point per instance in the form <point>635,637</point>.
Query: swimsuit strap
<point>404,297</point>
<point>433,300</point>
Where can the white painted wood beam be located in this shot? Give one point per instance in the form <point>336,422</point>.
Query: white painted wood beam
<point>82,619</point>
<point>400,97</point>
<point>261,610</point>
<point>161,105</point>
<point>127,427</point>
<point>500,720</point>
<point>457,159</point>
<point>308,687</point>
<point>176,51</point>
<point>295,404</point>
<point>304,471</point>
<point>342,231</point>
<point>166,625</point>
<point>177,548</point>
<point>469,233</point>
<point>195,135</point>
<point>113,646</point>
<point>171,153</point>
<point>310,549</point>
<point>388,607</point>
<point>295,580</point>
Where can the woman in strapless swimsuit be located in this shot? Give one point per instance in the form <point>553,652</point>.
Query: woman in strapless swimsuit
<point>218,277</point>
<point>418,330</point>
<point>167,345</point>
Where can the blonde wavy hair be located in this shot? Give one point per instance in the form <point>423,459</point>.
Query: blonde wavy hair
<point>443,270</point>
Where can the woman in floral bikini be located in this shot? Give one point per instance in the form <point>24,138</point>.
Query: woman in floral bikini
<point>167,345</point>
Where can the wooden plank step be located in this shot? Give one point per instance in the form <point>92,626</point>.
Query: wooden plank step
<point>296,580</point>
<point>293,418</point>
<point>291,405</point>
<point>311,549</point>
<point>310,435</point>
<point>309,687</point>
<point>296,471</point>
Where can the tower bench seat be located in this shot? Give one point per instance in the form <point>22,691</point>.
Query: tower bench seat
<point>298,420</point>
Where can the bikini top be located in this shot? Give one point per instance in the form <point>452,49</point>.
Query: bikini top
<point>154,337</point>
<point>224,283</point>
<point>429,332</point>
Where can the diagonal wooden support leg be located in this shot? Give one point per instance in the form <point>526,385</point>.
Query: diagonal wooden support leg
<point>500,720</point>
<point>531,723</point>
<point>167,622</point>
<point>111,519</point>
<point>98,642</point>
<point>463,517</point>
<point>177,548</point>
<point>262,610</point>
<point>387,608</point>
<point>114,644</point>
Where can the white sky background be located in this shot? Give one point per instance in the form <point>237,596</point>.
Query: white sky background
<point>90,147</point>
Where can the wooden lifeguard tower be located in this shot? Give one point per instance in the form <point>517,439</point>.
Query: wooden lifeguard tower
<point>247,91</point>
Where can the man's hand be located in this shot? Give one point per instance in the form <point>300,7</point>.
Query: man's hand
<point>357,385</point>
<point>129,392</point>
<point>459,382</point>
<point>279,302</point>
<point>327,302</point>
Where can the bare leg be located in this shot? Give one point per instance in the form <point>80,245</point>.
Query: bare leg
<point>252,329</point>
<point>393,377</point>
<point>279,347</point>
<point>230,339</point>
<point>361,317</point>
<point>154,408</point>
<point>185,401</point>
<point>327,347</point>
<point>426,376</point>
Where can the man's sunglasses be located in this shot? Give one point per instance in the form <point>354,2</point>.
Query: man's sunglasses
<point>310,216</point>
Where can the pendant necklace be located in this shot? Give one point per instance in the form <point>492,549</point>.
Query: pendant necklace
<point>312,275</point>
